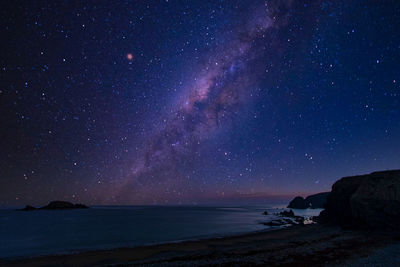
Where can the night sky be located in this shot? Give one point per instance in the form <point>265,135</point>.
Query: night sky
<point>167,102</point>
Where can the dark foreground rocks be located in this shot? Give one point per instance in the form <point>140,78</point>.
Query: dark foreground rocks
<point>57,205</point>
<point>316,201</point>
<point>367,201</point>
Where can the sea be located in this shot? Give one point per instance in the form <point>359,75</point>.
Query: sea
<point>48,232</point>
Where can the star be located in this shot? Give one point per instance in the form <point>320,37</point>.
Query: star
<point>129,56</point>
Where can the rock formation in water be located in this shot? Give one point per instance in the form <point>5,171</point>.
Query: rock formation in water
<point>365,201</point>
<point>316,201</point>
<point>287,217</point>
<point>286,213</point>
<point>298,203</point>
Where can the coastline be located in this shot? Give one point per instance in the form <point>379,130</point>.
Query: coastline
<point>296,245</point>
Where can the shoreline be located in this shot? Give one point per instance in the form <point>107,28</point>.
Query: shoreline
<point>163,243</point>
<point>153,244</point>
<point>309,244</point>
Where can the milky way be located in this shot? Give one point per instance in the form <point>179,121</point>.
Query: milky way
<point>218,92</point>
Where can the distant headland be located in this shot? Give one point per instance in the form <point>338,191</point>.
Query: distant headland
<point>316,201</point>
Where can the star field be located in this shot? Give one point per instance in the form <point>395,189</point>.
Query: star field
<point>165,102</point>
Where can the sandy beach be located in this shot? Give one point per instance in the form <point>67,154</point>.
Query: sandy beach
<point>309,245</point>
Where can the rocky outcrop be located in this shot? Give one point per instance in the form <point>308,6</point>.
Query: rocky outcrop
<point>365,201</point>
<point>57,205</point>
<point>316,201</point>
<point>298,203</point>
<point>287,217</point>
<point>286,213</point>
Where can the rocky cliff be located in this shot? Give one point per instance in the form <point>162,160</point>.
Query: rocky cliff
<point>365,201</point>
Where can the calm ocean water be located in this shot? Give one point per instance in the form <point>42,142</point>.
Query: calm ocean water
<point>52,232</point>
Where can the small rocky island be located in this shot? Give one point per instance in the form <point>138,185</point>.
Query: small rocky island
<point>57,205</point>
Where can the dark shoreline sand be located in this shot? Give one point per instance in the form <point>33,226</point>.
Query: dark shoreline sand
<point>311,245</point>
